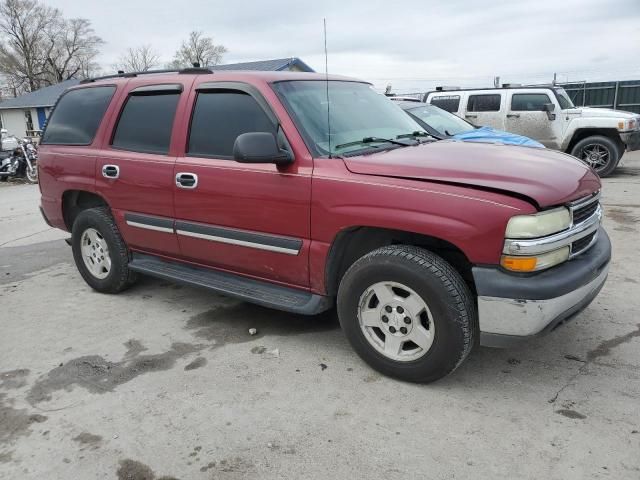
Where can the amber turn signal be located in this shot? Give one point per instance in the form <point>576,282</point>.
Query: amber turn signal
<point>519,264</point>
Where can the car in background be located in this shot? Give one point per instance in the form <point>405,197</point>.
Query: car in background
<point>597,136</point>
<point>442,124</point>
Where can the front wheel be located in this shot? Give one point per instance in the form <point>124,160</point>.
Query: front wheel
<point>32,174</point>
<point>407,313</point>
<point>599,152</point>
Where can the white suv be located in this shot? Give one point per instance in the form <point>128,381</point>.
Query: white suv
<point>597,136</point>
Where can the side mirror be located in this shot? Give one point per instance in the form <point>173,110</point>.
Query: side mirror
<point>549,108</point>
<point>259,147</point>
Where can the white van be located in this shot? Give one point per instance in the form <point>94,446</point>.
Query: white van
<point>597,136</point>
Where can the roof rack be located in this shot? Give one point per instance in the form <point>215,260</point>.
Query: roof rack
<point>195,70</point>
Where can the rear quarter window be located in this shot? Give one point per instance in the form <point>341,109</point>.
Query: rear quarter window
<point>450,103</point>
<point>77,116</point>
<point>484,103</point>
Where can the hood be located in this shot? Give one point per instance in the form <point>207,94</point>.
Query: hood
<point>544,176</point>
<point>601,112</point>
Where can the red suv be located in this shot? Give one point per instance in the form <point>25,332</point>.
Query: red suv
<point>298,192</point>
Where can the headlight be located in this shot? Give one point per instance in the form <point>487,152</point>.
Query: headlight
<point>539,225</point>
<point>630,124</point>
<point>533,264</point>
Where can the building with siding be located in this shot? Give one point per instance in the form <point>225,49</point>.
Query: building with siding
<point>26,115</point>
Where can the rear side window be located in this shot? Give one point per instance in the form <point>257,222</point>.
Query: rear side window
<point>484,103</point>
<point>529,102</point>
<point>77,116</point>
<point>449,103</point>
<point>146,123</point>
<point>219,117</point>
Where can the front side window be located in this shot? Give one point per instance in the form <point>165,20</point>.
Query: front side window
<point>358,116</point>
<point>219,117</point>
<point>529,102</point>
<point>450,103</point>
<point>444,123</point>
<point>484,103</point>
<point>77,116</point>
<point>146,123</point>
<point>563,98</point>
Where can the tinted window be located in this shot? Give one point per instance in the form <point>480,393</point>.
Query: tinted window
<point>449,103</point>
<point>146,122</point>
<point>529,102</point>
<point>77,116</point>
<point>219,117</point>
<point>484,103</point>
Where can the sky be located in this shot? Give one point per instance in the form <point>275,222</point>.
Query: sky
<point>412,45</point>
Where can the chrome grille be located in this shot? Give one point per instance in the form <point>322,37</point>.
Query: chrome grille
<point>582,244</point>
<point>580,214</point>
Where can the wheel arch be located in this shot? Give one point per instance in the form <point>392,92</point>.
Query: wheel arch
<point>582,133</point>
<point>354,242</point>
<point>75,201</point>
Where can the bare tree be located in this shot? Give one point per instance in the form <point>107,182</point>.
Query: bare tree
<point>73,46</point>
<point>138,59</point>
<point>23,53</point>
<point>198,49</point>
<point>38,47</point>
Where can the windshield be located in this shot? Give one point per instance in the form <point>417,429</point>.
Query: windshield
<point>444,122</point>
<point>563,98</point>
<point>357,112</point>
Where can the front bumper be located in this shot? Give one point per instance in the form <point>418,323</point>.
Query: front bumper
<point>631,140</point>
<point>513,308</point>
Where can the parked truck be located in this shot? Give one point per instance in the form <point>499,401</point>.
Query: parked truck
<point>300,193</point>
<point>597,136</point>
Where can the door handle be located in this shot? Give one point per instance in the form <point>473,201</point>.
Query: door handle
<point>110,171</point>
<point>186,180</point>
<point>513,115</point>
<point>471,116</point>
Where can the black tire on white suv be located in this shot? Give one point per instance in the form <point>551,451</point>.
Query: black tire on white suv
<point>599,152</point>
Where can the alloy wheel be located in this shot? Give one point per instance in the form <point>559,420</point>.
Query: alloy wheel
<point>95,253</point>
<point>396,321</point>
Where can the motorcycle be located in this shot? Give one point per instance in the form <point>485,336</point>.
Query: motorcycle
<point>20,162</point>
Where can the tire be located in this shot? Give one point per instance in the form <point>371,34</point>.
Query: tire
<point>93,230</point>
<point>450,318</point>
<point>599,152</point>
<point>32,177</point>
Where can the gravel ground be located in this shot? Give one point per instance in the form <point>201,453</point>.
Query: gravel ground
<point>165,382</point>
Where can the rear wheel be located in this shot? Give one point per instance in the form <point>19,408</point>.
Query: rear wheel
<point>599,152</point>
<point>99,251</point>
<point>407,313</point>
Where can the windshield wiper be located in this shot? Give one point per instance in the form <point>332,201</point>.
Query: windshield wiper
<point>367,140</point>
<point>418,133</point>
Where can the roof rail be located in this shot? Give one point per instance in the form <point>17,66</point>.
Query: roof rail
<point>444,88</point>
<point>121,74</point>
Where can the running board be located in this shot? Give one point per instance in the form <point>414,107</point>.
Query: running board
<point>247,289</point>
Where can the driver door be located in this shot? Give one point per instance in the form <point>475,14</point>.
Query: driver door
<point>251,219</point>
<point>527,116</point>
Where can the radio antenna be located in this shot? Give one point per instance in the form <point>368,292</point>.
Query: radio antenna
<point>326,77</point>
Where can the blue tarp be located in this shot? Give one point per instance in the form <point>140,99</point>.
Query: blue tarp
<point>490,135</point>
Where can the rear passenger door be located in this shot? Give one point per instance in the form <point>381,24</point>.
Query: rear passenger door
<point>485,110</point>
<point>134,169</point>
<point>251,219</point>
